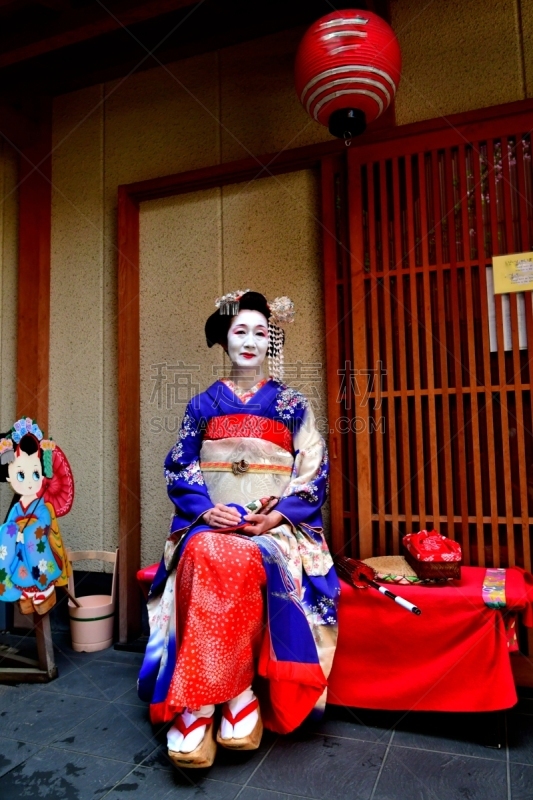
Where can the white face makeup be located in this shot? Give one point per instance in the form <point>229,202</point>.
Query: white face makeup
<point>248,340</point>
<point>25,474</point>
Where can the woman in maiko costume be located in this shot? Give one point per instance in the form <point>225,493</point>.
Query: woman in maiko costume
<point>246,593</point>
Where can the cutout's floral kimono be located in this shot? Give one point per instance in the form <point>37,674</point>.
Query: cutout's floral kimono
<point>32,556</point>
<point>207,618</point>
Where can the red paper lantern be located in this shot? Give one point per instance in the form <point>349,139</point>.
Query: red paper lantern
<point>347,70</point>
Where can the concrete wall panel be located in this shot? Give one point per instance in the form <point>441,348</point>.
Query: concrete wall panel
<point>179,280</point>
<point>77,309</point>
<point>260,110</point>
<point>456,56</point>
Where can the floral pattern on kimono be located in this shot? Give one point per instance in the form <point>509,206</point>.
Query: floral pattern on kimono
<point>27,560</point>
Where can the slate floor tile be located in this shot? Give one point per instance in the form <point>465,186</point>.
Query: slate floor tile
<point>440,776</point>
<point>13,752</point>
<point>520,736</point>
<point>357,723</point>
<point>12,694</point>
<point>131,697</point>
<point>320,767</point>
<point>249,793</point>
<point>521,782</point>
<point>42,716</point>
<point>101,680</point>
<point>147,784</point>
<point>60,775</point>
<point>463,734</point>
<point>116,731</point>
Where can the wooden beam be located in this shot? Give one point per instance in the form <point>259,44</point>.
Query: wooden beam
<point>33,323</point>
<point>15,127</point>
<point>77,26</point>
<point>129,416</point>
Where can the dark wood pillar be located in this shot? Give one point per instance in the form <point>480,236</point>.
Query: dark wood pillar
<point>33,326</point>
<point>129,416</point>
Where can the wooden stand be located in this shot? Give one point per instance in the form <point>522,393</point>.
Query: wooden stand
<point>19,669</point>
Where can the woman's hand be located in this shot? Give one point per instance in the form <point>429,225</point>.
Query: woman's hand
<point>221,516</point>
<point>261,523</point>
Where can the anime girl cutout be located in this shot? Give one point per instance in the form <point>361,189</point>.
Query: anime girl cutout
<point>32,555</point>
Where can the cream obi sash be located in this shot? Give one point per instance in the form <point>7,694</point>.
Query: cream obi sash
<point>239,470</point>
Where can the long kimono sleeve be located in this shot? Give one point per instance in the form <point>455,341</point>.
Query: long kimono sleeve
<point>307,491</point>
<point>185,482</point>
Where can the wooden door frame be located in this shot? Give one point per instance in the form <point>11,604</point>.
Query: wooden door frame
<point>323,157</point>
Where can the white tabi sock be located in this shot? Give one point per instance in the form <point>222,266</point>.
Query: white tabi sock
<point>175,739</point>
<point>246,725</point>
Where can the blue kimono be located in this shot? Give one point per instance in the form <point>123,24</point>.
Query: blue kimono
<point>235,450</point>
<point>27,561</point>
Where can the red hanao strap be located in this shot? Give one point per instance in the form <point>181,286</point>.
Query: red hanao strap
<point>241,714</point>
<point>186,729</point>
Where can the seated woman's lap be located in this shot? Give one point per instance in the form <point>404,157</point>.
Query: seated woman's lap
<point>219,598</point>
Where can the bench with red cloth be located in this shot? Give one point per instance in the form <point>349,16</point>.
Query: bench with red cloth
<point>454,657</point>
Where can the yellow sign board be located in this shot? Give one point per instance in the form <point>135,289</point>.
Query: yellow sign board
<point>513,273</point>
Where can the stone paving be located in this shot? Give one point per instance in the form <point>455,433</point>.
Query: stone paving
<point>86,736</point>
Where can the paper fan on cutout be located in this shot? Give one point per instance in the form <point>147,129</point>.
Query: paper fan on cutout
<point>59,490</point>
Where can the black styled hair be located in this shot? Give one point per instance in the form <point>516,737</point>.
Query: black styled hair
<point>218,325</point>
<point>28,444</point>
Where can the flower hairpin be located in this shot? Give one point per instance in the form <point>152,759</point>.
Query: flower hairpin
<point>281,310</point>
<point>24,426</point>
<point>7,454</point>
<point>229,303</point>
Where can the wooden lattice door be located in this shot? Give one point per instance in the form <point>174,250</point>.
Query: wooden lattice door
<point>431,400</point>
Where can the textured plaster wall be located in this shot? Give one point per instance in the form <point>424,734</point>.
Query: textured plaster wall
<point>262,235</point>
<point>8,299</point>
<point>460,55</point>
<point>154,123</point>
<point>195,113</point>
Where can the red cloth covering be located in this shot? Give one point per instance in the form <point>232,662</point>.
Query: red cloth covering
<point>454,657</point>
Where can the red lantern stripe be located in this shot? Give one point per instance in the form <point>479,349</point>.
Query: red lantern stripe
<point>333,95</point>
<point>335,35</point>
<point>333,23</point>
<point>342,48</point>
<point>328,73</point>
<point>343,82</point>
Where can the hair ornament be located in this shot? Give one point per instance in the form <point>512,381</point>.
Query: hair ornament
<point>282,310</point>
<point>281,313</point>
<point>24,426</point>
<point>7,454</point>
<point>228,304</point>
<point>47,447</point>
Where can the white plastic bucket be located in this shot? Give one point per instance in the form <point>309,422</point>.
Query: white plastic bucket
<point>91,625</point>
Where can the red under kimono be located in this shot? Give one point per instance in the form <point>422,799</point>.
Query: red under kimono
<point>221,609</point>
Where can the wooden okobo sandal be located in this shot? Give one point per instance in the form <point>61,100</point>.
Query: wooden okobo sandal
<point>204,755</point>
<point>250,742</point>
